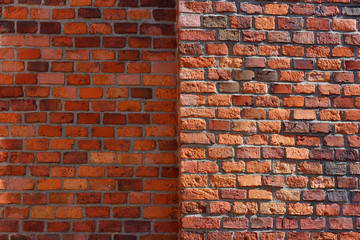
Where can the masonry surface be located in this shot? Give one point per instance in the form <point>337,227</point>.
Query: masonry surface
<point>88,120</point>
<point>269,119</point>
<point>191,120</point>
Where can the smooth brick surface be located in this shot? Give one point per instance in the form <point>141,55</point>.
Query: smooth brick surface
<point>88,95</point>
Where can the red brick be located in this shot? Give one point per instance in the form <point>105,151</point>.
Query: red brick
<point>317,24</point>
<point>114,42</point>
<point>290,23</point>
<point>7,27</point>
<point>302,9</point>
<point>308,223</point>
<point>328,11</point>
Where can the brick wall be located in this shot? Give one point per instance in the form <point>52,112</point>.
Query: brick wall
<point>270,119</point>
<point>88,120</point>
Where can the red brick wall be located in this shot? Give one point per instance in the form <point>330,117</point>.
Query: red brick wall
<point>269,119</point>
<point>88,120</point>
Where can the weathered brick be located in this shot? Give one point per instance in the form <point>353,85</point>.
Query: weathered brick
<point>278,37</point>
<point>303,37</point>
<point>214,21</point>
<point>337,196</point>
<point>326,11</point>
<point>264,23</point>
<point>250,36</point>
<point>290,23</point>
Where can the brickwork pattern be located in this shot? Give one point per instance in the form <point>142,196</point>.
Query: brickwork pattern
<point>270,119</point>
<point>88,118</point>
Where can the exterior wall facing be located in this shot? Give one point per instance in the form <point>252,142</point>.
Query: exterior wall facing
<point>88,120</point>
<point>270,119</point>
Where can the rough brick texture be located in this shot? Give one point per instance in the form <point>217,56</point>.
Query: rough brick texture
<point>269,119</point>
<point>88,118</point>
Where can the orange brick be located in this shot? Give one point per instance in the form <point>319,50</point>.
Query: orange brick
<point>15,12</point>
<point>42,212</point>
